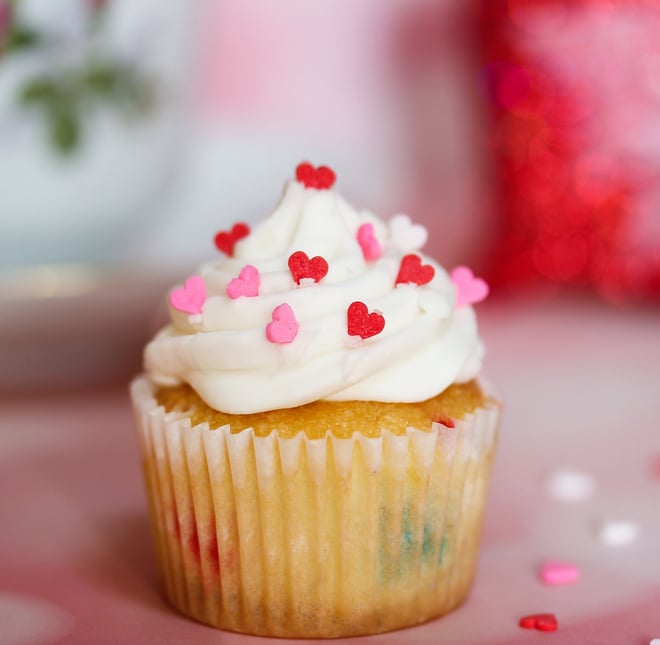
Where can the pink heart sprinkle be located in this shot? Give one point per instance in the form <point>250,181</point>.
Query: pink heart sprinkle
<point>247,283</point>
<point>469,289</point>
<point>191,297</point>
<point>368,243</point>
<point>559,573</point>
<point>284,327</point>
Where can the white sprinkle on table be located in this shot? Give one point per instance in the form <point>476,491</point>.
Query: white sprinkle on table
<point>570,485</point>
<point>618,533</point>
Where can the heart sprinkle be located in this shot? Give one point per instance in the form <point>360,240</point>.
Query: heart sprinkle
<point>446,421</point>
<point>191,297</point>
<point>226,240</point>
<point>413,271</point>
<point>555,573</point>
<point>469,290</point>
<point>302,267</point>
<point>247,283</point>
<point>368,243</point>
<point>406,235</point>
<point>542,622</point>
<point>321,178</point>
<point>284,326</point>
<point>362,323</point>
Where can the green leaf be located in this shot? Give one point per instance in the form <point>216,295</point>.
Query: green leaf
<point>101,79</point>
<point>40,90</point>
<point>127,89</point>
<point>64,131</point>
<point>19,38</point>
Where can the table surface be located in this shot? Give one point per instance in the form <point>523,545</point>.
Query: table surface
<point>581,382</point>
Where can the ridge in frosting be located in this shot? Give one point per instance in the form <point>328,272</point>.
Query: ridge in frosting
<point>320,301</point>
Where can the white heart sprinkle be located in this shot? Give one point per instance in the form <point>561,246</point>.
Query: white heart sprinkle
<point>655,641</point>
<point>406,235</point>
<point>570,485</point>
<point>618,533</point>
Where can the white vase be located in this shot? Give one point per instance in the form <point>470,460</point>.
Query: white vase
<point>83,205</point>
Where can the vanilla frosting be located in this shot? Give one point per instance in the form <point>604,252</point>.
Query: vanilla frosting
<point>224,354</point>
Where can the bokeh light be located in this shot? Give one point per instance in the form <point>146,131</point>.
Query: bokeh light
<point>574,125</point>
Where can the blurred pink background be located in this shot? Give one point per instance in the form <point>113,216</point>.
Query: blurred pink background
<point>384,92</point>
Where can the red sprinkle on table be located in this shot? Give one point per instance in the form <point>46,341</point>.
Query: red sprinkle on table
<point>362,323</point>
<point>541,622</point>
<point>302,267</point>
<point>321,178</point>
<point>413,271</point>
<point>226,240</point>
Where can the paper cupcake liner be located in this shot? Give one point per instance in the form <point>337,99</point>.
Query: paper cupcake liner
<point>307,537</point>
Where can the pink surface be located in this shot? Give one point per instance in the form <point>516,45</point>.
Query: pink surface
<point>581,387</point>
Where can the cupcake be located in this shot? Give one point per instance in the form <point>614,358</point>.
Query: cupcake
<point>316,437</point>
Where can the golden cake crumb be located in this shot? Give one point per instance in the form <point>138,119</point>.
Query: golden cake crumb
<point>341,418</point>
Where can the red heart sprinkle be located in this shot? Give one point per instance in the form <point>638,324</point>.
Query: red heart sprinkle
<point>226,240</point>
<point>302,267</point>
<point>542,622</point>
<point>446,421</point>
<point>362,323</point>
<point>412,270</point>
<point>321,178</point>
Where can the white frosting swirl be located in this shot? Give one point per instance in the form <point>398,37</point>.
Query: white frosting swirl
<point>427,343</point>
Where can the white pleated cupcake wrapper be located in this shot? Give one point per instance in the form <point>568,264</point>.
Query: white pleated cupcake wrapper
<point>314,537</point>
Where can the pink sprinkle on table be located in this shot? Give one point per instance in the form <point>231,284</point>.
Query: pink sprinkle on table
<point>557,573</point>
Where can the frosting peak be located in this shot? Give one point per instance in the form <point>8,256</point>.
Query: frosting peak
<point>278,322</point>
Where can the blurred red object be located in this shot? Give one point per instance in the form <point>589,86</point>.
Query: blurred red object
<point>574,87</point>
